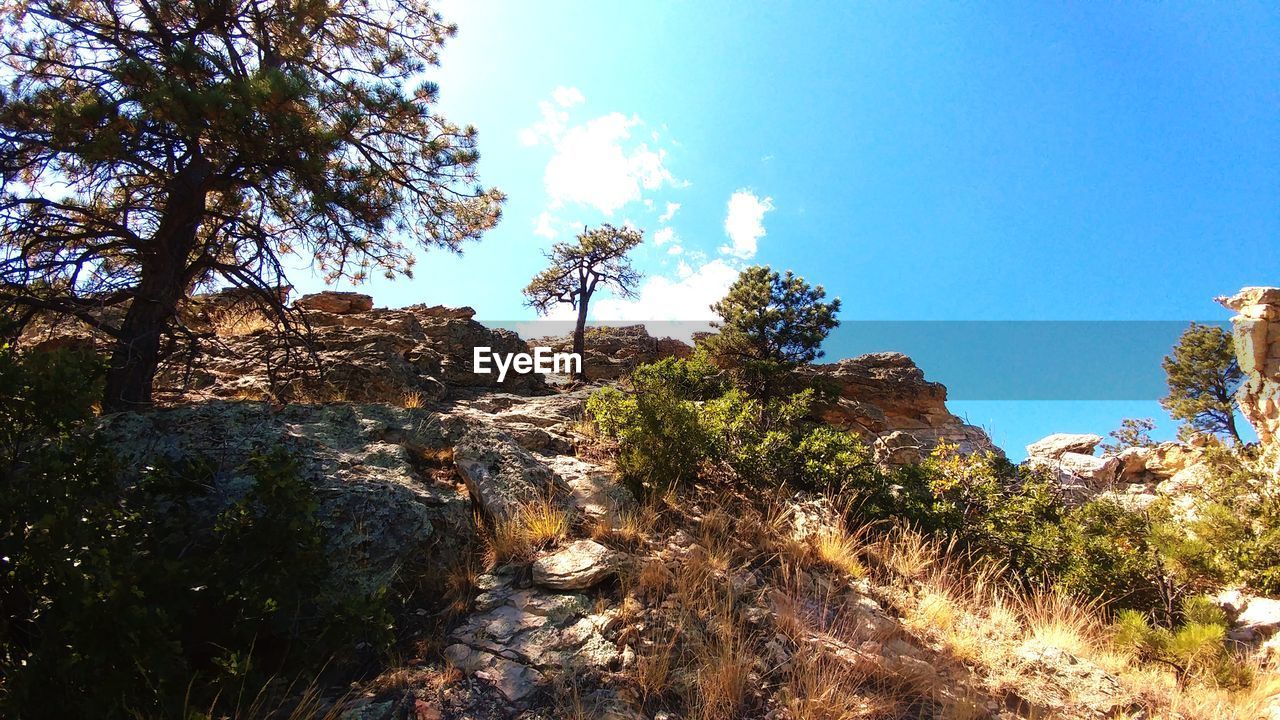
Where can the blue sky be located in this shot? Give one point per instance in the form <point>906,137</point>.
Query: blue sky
<point>991,161</point>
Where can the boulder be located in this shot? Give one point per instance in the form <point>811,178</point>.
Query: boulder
<point>576,566</point>
<point>338,303</point>
<point>1168,458</point>
<point>1080,476</point>
<point>1133,462</point>
<point>1187,480</point>
<point>1254,619</point>
<point>898,448</point>
<point>501,475</point>
<point>1097,472</point>
<point>1053,446</point>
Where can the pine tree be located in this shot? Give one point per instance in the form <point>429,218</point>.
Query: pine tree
<point>150,148</point>
<point>1203,375</point>
<point>770,324</point>
<point>596,260</point>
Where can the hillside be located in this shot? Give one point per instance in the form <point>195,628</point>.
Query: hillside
<point>530,582</point>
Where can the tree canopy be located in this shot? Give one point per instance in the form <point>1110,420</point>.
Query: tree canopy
<point>1203,375</point>
<point>596,259</point>
<point>770,324</point>
<point>148,148</point>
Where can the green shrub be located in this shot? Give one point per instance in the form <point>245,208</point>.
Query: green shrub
<point>1195,647</point>
<point>661,442</point>
<point>1234,535</point>
<point>828,458</point>
<point>1107,554</point>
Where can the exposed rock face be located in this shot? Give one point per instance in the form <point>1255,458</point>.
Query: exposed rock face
<point>885,396</point>
<point>367,464</point>
<point>1054,446</point>
<point>519,636</point>
<point>613,352</point>
<point>1253,619</point>
<point>1256,331</point>
<point>338,303</point>
<point>501,475</point>
<point>365,356</point>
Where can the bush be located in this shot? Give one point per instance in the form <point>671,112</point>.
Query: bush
<point>1107,554</point>
<point>1196,647</point>
<point>120,599</point>
<point>1234,535</point>
<point>661,442</point>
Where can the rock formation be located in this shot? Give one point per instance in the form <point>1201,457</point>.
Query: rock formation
<point>885,398</point>
<point>612,352</point>
<point>1070,458</point>
<point>355,354</point>
<point>1256,331</point>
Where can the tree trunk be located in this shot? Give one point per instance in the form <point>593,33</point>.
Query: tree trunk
<point>1231,425</point>
<point>161,285</point>
<point>579,337</point>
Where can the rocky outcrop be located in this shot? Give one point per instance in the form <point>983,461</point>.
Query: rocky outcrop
<point>418,353</point>
<point>518,637</point>
<point>501,475</point>
<point>611,353</point>
<point>337,303</point>
<point>1069,457</point>
<point>1256,332</point>
<point>370,466</point>
<point>885,398</point>
<point>1058,444</point>
<point>1254,619</point>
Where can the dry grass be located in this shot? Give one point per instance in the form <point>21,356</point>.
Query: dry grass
<point>1055,619</point>
<point>276,701</point>
<point>936,612</point>
<point>723,673</point>
<point>654,580</point>
<point>652,673</point>
<point>908,553</point>
<point>238,322</point>
<point>535,525</point>
<point>628,528</point>
<point>412,400</point>
<point>838,549</point>
<point>545,522</point>
<point>820,686</point>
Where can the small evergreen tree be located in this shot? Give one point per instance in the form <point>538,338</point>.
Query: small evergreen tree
<point>598,259</point>
<point>771,324</point>
<point>1133,432</point>
<point>1203,375</point>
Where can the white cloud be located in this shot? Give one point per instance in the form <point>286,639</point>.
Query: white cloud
<point>744,223</point>
<point>596,163</point>
<point>551,126</point>
<point>591,167</point>
<point>567,96</point>
<point>664,236</point>
<point>669,213</point>
<point>675,250</point>
<point>544,226</point>
<point>688,298</point>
